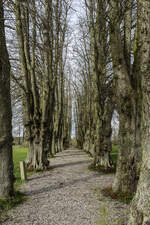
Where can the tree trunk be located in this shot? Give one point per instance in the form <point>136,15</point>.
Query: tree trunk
<point>126,175</point>
<point>6,162</point>
<point>103,137</point>
<point>103,109</point>
<point>140,207</point>
<point>37,125</point>
<point>37,158</point>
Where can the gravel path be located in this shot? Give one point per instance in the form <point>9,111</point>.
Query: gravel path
<point>68,195</point>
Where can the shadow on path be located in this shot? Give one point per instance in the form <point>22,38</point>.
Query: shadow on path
<point>39,177</point>
<point>70,164</point>
<point>59,166</point>
<point>61,185</point>
<point>76,154</point>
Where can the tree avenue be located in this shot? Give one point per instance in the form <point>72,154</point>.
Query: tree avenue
<point>6,163</point>
<point>109,72</point>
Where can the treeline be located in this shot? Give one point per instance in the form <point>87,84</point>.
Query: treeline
<point>113,54</point>
<point>37,40</point>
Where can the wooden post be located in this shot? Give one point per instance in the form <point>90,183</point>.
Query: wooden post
<point>23,171</point>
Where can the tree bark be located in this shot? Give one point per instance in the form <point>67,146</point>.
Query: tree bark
<point>37,121</point>
<point>6,162</point>
<point>126,175</point>
<point>103,145</point>
<point>140,207</point>
<point>103,104</point>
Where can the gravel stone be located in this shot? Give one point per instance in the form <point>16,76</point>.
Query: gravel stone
<point>68,195</point>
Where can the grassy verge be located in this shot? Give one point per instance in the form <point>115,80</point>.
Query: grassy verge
<point>19,154</point>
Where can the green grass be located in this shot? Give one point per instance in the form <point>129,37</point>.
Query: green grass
<point>19,154</point>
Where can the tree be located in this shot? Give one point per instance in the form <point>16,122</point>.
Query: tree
<point>140,206</point>
<point>102,83</point>
<point>60,46</point>
<point>41,39</point>
<point>95,119</point>
<point>128,96</point>
<point>6,163</point>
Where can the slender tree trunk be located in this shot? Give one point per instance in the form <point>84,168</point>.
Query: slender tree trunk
<point>6,162</point>
<point>140,207</point>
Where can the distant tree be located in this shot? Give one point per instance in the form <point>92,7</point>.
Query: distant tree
<point>95,97</point>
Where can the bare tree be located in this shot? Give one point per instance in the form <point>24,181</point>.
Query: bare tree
<point>97,84</point>
<point>6,163</point>
<point>140,206</point>
<point>40,74</point>
<point>128,96</point>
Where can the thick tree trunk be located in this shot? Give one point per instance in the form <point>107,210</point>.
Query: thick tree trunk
<point>102,113</point>
<point>127,174</point>
<point>6,162</point>
<point>37,158</point>
<point>140,207</point>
